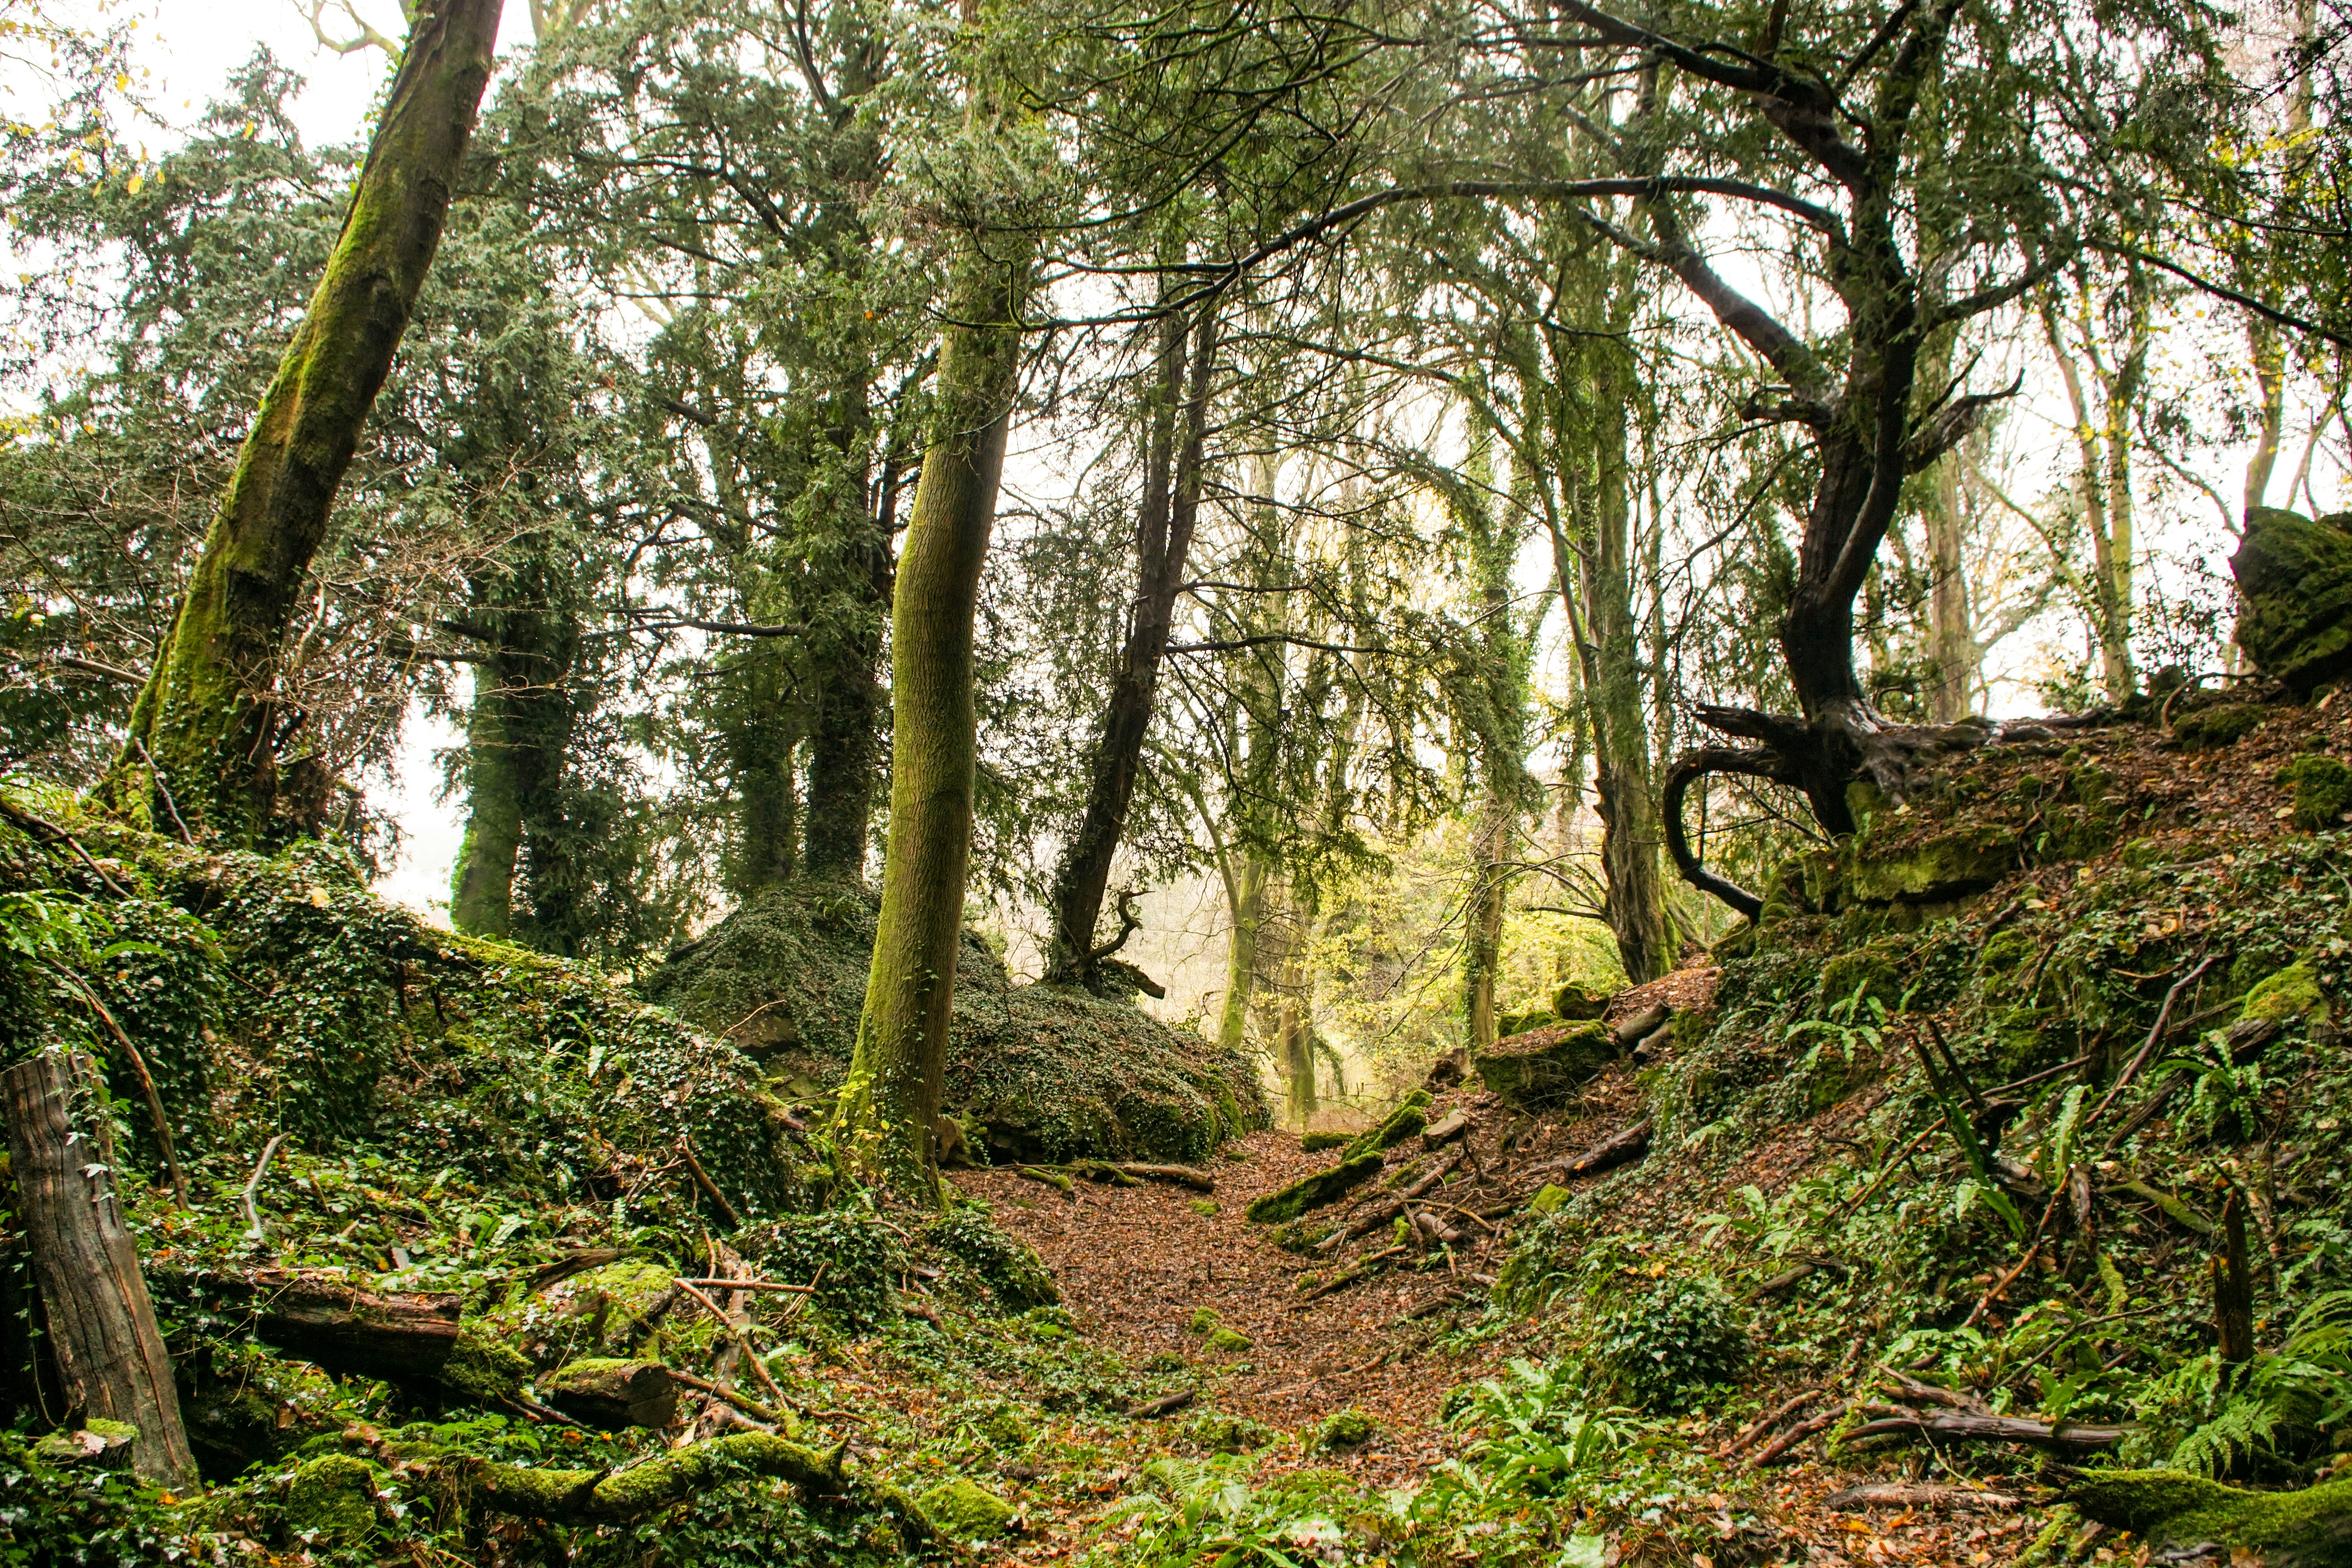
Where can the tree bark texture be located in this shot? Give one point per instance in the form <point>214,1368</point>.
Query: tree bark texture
<point>1164,525</point>
<point>517,738</point>
<point>109,1353</point>
<point>891,1098</point>
<point>1951,625</point>
<point>1597,582</point>
<point>211,715</point>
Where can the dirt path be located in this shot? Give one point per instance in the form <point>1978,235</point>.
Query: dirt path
<point>1137,1263</point>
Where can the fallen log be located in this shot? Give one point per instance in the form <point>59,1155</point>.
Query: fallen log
<point>1379,1215</point>
<point>1348,1275</point>
<point>1435,1174</point>
<point>610,1394</point>
<point>1617,1149</point>
<point>1765,1422</point>
<point>1779,1446</point>
<point>1641,1026</point>
<point>326,1319</point>
<point>1898,1495</point>
<point>642,1489</point>
<point>109,1352</point>
<point>1976,1426</point>
<point>1173,1175</point>
<point>1162,1405</point>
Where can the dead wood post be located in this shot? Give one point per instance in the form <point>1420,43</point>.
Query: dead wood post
<point>109,1353</point>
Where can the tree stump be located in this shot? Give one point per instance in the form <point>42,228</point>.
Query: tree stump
<point>109,1353</point>
<point>612,1395</point>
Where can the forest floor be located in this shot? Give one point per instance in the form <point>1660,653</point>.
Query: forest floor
<point>1137,1265</point>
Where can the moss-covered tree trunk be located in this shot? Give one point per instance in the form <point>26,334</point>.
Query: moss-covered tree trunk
<point>890,1099</point>
<point>844,748</point>
<point>1246,908</point>
<point>518,733</point>
<point>212,717</point>
<point>1597,581</point>
<point>1164,525</point>
<point>1494,702</point>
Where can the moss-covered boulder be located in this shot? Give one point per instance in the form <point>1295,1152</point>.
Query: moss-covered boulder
<point>2173,1509</point>
<point>2323,792</point>
<point>1574,1003</point>
<point>331,1498</point>
<point>1538,1067</point>
<point>1938,869</point>
<point>962,1509</point>
<point>2293,993</point>
<point>1314,1192</point>
<point>2295,579</point>
<point>1051,1073</point>
<point>2209,729</point>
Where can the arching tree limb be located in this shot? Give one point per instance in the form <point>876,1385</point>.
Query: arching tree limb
<point>1749,762</point>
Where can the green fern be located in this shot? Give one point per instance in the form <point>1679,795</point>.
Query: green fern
<point>2221,1419</point>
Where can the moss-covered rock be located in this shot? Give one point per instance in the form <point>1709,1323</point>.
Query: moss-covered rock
<point>1938,869</point>
<point>1345,1429</point>
<point>1536,1068</point>
<point>2175,1510</point>
<point>1222,1434</point>
<point>2323,791</point>
<point>2292,993</point>
<point>1313,1192</point>
<point>962,1509</point>
<point>2210,729</point>
<point>1051,1073</point>
<point>1574,1003</point>
<point>1230,1341</point>
<point>2295,579</point>
<point>1316,1143</point>
<point>331,1498</point>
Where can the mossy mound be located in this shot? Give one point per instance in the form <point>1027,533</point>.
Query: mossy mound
<point>962,1509</point>
<point>1052,1074</point>
<point>1539,1066</point>
<point>276,994</point>
<point>2173,1509</point>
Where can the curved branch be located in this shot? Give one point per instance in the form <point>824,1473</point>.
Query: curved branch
<point>1688,769</point>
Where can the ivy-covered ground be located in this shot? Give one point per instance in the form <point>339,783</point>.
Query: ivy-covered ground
<point>1894,1278</point>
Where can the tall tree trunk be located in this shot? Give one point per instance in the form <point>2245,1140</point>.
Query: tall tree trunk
<point>1951,625</point>
<point>2102,445</point>
<point>760,743</point>
<point>101,1327</point>
<point>1246,908</point>
<point>1596,584</point>
<point>884,1128</point>
<point>1164,526</point>
<point>1483,945</point>
<point>1294,1036</point>
<point>211,715</point>
<point>518,735</point>
<point>844,749</point>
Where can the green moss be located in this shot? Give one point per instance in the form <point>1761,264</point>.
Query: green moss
<point>485,1371</point>
<point>1549,1196</point>
<point>2292,993</point>
<point>1536,1069</point>
<point>1206,1208</point>
<point>1345,1429</point>
<point>2210,729</point>
<point>2295,581</point>
<point>1203,1320</point>
<point>1001,1425</point>
<point>331,1498</point>
<point>2304,1529</point>
<point>961,1509</point>
<point>1313,1192</point>
<point>1316,1143</point>
<point>1405,1121</point>
<point>2323,791</point>
<point>1222,1434</point>
<point>1935,871</point>
<point>1228,1339</point>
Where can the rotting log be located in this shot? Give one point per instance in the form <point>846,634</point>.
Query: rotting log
<point>109,1353</point>
<point>1174,1175</point>
<point>1619,1147</point>
<point>647,1488</point>
<point>326,1319</point>
<point>1976,1426</point>
<point>610,1394</point>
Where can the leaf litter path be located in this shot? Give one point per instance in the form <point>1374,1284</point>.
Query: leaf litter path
<point>1136,1264</point>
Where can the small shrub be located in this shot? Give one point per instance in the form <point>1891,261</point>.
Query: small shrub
<point>1665,1350</point>
<point>848,1254</point>
<point>1012,1271</point>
